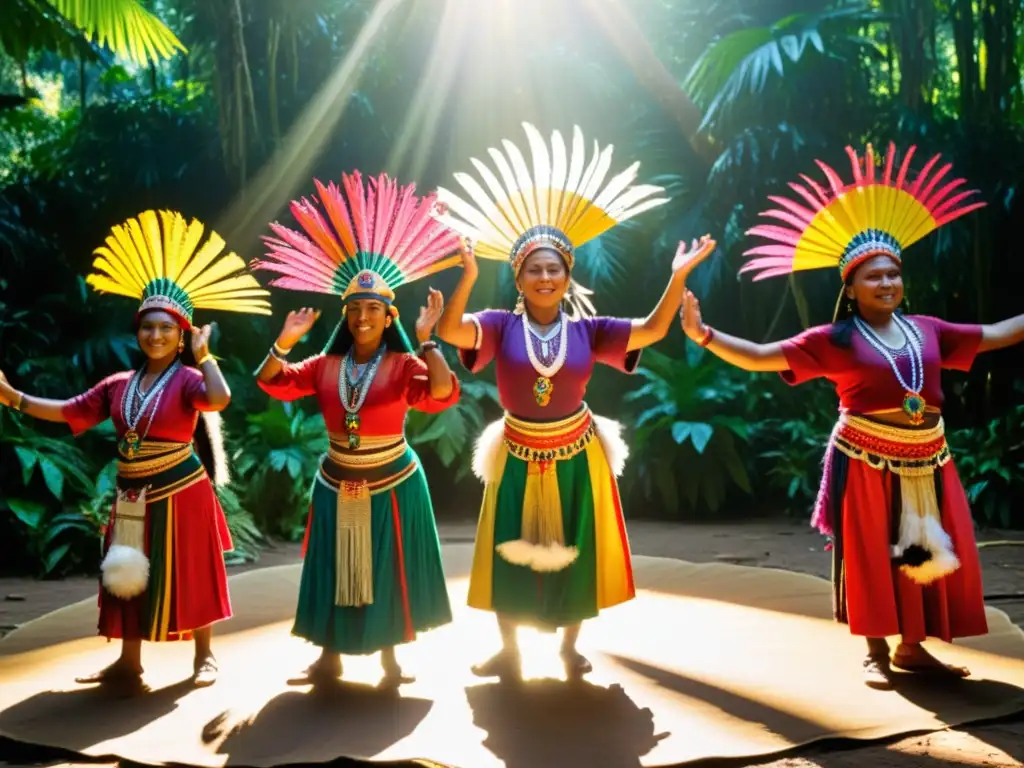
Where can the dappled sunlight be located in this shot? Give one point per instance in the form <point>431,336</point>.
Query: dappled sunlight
<point>676,677</point>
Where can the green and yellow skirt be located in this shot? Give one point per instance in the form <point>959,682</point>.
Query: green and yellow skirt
<point>551,544</point>
<point>372,575</point>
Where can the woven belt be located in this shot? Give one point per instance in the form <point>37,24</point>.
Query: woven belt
<point>549,440</point>
<point>903,451</point>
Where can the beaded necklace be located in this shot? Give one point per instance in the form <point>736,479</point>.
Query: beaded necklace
<point>913,403</point>
<point>353,387</point>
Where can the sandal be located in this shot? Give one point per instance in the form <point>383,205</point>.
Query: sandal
<point>503,664</point>
<point>318,673</point>
<point>877,673</point>
<point>576,664</point>
<point>205,673</point>
<point>115,673</point>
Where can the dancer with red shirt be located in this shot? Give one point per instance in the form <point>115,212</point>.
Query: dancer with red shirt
<point>905,560</point>
<point>163,572</point>
<point>372,576</point>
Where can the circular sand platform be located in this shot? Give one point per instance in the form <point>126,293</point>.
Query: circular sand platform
<point>710,660</point>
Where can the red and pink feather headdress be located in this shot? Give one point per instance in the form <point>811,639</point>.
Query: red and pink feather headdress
<point>361,241</point>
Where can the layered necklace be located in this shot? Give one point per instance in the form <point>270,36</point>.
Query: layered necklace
<point>913,403</point>
<point>547,353</point>
<point>135,403</point>
<point>354,385</point>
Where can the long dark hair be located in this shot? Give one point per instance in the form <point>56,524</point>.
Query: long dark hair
<point>208,438</point>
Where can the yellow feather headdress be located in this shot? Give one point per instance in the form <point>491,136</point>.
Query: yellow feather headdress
<point>564,203</point>
<point>160,261</point>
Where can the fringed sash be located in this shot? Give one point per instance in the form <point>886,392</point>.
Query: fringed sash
<point>922,548</point>
<point>541,545</point>
<point>157,470</point>
<point>380,464</point>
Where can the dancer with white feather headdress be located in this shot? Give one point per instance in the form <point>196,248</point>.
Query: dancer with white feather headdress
<point>551,545</point>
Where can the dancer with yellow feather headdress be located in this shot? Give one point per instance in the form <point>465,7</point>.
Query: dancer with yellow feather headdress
<point>163,574</point>
<point>904,556</point>
<point>551,547</point>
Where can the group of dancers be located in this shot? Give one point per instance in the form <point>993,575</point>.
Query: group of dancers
<point>551,546</point>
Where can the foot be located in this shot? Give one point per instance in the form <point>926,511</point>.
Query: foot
<point>319,672</point>
<point>914,658</point>
<point>503,664</point>
<point>205,672</point>
<point>877,672</point>
<point>118,672</point>
<point>576,664</point>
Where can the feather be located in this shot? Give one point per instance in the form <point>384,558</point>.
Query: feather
<point>371,224</point>
<point>158,253</point>
<point>820,234</point>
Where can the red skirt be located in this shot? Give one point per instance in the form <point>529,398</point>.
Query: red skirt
<point>186,538</point>
<point>872,595</point>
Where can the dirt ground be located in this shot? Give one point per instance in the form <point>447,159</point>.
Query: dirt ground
<point>773,544</point>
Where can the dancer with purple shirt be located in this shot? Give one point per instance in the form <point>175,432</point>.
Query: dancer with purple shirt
<point>551,545</point>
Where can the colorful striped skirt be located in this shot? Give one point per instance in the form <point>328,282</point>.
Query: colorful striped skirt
<point>372,576</point>
<point>904,558</point>
<point>182,533</point>
<point>551,545</point>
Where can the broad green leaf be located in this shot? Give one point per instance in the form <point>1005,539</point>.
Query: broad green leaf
<point>54,556</point>
<point>53,476</point>
<point>31,513</point>
<point>28,462</point>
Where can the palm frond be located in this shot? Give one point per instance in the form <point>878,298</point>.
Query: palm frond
<point>123,26</point>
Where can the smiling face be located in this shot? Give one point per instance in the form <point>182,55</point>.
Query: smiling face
<point>158,334</point>
<point>544,279</point>
<point>367,319</point>
<point>877,285</point>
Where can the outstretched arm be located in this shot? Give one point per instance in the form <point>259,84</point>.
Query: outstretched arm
<point>739,352</point>
<point>1003,334</point>
<point>37,407</point>
<point>453,327</point>
<point>653,328</point>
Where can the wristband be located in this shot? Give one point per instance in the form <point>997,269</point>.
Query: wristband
<point>280,351</point>
<point>709,334</point>
<point>20,402</point>
<point>204,359</point>
<point>426,346</point>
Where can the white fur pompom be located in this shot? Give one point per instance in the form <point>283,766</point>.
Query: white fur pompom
<point>609,432</point>
<point>125,572</point>
<point>537,557</point>
<point>487,451</point>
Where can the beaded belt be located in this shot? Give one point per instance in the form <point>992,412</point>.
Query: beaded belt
<point>380,464</point>
<point>920,546</point>
<point>903,451</point>
<point>540,441</point>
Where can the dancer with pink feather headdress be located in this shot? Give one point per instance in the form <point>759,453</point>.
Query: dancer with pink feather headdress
<point>904,557</point>
<point>372,577</point>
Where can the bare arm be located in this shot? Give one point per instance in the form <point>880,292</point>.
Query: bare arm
<point>36,407</point>
<point>739,352</point>
<point>296,325</point>
<point>653,328</point>
<point>218,393</point>
<point>1003,334</point>
<point>439,375</point>
<point>453,327</point>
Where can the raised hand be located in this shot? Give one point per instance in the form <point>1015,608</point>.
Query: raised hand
<point>296,325</point>
<point>429,315</point>
<point>693,325</point>
<point>469,264</point>
<point>201,341</point>
<point>686,259</point>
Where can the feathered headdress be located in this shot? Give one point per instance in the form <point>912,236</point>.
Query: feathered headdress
<point>156,257</point>
<point>847,223</point>
<point>380,236</point>
<point>562,205</point>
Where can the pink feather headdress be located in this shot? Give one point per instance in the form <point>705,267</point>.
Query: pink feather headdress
<point>361,241</point>
<point>845,224</point>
